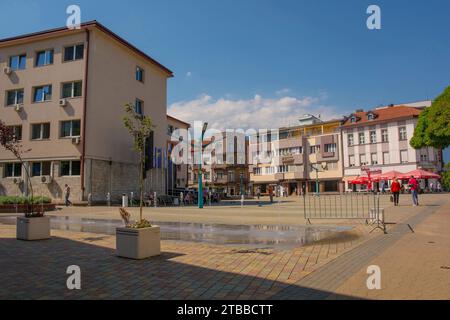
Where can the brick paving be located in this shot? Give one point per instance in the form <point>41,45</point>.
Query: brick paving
<point>327,269</point>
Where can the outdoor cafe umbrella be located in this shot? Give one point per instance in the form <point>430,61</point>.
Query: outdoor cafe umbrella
<point>360,180</point>
<point>389,175</point>
<point>420,174</point>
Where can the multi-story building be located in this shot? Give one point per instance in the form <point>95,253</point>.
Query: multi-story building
<point>177,174</point>
<point>226,171</point>
<point>300,156</point>
<point>64,93</point>
<point>379,141</point>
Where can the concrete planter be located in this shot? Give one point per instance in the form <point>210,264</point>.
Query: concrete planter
<point>31,229</point>
<point>138,244</point>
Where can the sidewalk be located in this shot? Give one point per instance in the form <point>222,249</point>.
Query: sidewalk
<point>416,267</point>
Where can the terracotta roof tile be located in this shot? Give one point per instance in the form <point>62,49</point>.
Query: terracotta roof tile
<point>382,115</point>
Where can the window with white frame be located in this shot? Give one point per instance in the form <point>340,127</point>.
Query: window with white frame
<point>44,58</point>
<point>386,158</point>
<point>403,135</point>
<point>351,161</point>
<point>70,129</point>
<point>73,53</point>
<point>373,137</point>
<point>330,147</point>
<point>384,136</point>
<point>374,158</point>
<point>18,62</point>
<point>42,93</point>
<point>41,168</point>
<point>13,170</point>
<point>16,131</point>
<point>14,97</point>
<point>362,138</point>
<point>404,156</point>
<point>363,160</point>
<point>72,89</point>
<point>351,140</point>
<point>70,168</point>
<point>423,158</point>
<point>40,131</point>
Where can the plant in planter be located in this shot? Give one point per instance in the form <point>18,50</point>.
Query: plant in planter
<point>34,225</point>
<point>139,240</point>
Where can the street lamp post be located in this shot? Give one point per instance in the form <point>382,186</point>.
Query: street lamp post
<point>200,173</point>
<point>317,169</point>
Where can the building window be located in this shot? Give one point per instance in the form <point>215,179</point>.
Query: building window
<point>73,53</point>
<point>13,170</point>
<point>362,138</point>
<point>363,160</point>
<point>330,147</point>
<point>70,129</point>
<point>44,58</point>
<point>16,131</point>
<point>40,131</point>
<point>404,156</point>
<point>140,74</point>
<point>351,161</point>
<point>18,62</point>
<point>384,136</point>
<point>72,89</point>
<point>70,168</point>
<point>39,169</point>
<point>314,149</point>
<point>373,137</point>
<point>42,94</point>
<point>374,158</point>
<point>353,119</point>
<point>423,158</point>
<point>351,140</point>
<point>370,116</point>
<point>14,97</point>
<point>403,135</point>
<point>139,107</point>
<point>386,158</point>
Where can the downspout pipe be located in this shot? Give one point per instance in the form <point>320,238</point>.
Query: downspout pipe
<point>86,79</point>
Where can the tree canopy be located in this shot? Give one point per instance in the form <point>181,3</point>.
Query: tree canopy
<point>433,127</point>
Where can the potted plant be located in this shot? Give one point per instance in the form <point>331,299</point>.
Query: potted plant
<point>139,240</point>
<point>34,225</point>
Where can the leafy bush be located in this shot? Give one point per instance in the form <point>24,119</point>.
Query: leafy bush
<point>23,200</point>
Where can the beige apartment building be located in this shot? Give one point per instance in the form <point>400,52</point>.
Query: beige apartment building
<point>299,156</point>
<point>63,92</point>
<point>178,175</point>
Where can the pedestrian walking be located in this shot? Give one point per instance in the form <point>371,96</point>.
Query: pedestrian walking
<point>67,196</point>
<point>395,189</point>
<point>414,187</point>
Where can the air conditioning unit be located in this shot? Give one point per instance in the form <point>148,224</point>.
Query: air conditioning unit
<point>7,70</point>
<point>17,180</point>
<point>46,179</point>
<point>18,107</point>
<point>76,140</point>
<point>62,102</point>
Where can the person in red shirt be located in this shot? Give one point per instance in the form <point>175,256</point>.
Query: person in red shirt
<point>414,186</point>
<point>395,189</point>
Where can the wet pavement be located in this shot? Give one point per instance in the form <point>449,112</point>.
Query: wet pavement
<point>263,236</point>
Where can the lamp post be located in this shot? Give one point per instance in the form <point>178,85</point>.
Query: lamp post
<point>200,173</point>
<point>317,170</point>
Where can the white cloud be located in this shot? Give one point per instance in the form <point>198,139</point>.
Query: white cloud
<point>189,74</point>
<point>283,92</point>
<point>258,112</point>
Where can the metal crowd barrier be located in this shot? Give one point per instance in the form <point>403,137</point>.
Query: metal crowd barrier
<point>358,206</point>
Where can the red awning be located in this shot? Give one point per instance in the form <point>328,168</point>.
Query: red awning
<point>419,174</point>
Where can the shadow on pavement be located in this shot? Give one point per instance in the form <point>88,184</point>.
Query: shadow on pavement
<point>37,270</point>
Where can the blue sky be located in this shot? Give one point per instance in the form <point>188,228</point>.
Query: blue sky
<point>313,56</point>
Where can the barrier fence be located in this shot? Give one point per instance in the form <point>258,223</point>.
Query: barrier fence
<point>357,206</point>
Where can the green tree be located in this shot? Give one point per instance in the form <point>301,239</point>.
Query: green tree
<point>9,141</point>
<point>433,127</point>
<point>140,128</point>
<point>446,177</point>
